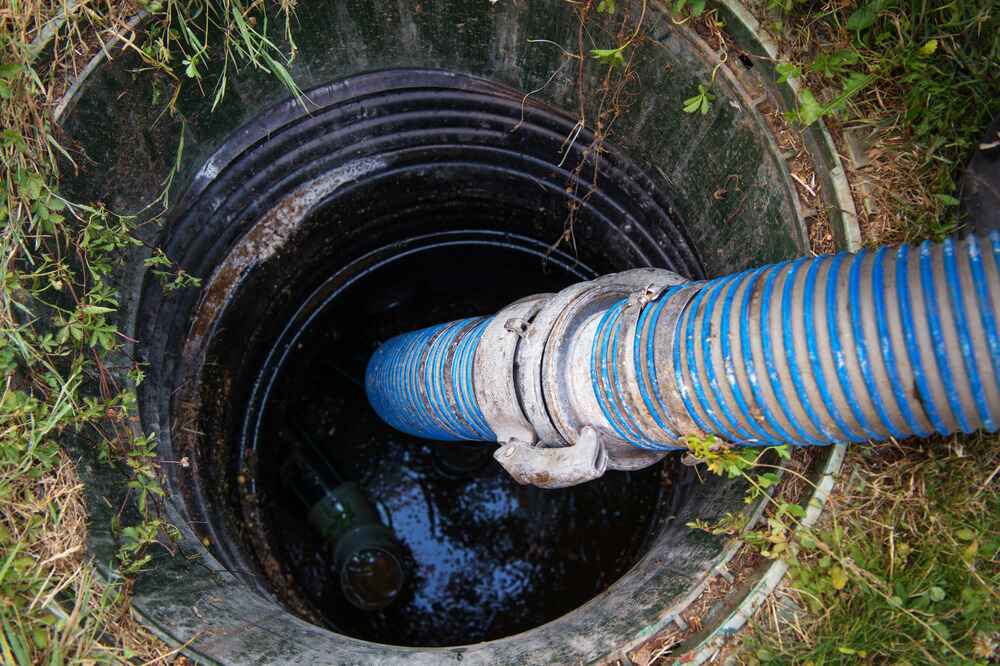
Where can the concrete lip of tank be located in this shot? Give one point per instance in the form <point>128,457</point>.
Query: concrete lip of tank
<point>204,595</point>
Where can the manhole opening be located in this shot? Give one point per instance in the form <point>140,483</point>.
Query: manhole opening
<point>284,207</point>
<point>405,198</point>
<point>460,205</point>
<point>482,556</point>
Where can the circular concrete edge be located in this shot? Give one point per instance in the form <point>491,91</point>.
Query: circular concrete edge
<point>712,645</point>
<point>847,233</point>
<point>749,34</point>
<point>848,237</point>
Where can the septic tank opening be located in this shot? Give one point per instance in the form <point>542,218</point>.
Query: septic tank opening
<point>449,214</point>
<point>483,556</point>
<point>286,209</point>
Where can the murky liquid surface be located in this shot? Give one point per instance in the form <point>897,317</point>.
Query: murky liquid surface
<point>484,557</point>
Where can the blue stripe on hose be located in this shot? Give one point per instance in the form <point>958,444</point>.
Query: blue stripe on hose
<point>477,335</point>
<point>937,339</point>
<point>682,387</point>
<point>839,356</point>
<point>964,341</point>
<point>651,357</point>
<point>434,378</point>
<point>791,359</point>
<point>995,241</point>
<point>423,392</point>
<point>809,314</point>
<point>397,404</point>
<point>727,303</point>
<point>861,347</point>
<point>402,379</point>
<point>692,365</point>
<point>435,381</point>
<point>625,412</point>
<point>887,348</point>
<point>462,407</point>
<point>748,362</point>
<point>706,352</point>
<point>769,364</point>
<point>640,368</point>
<point>458,385</point>
<point>374,386</point>
<point>405,413</point>
<point>388,388</point>
<point>395,399</point>
<point>595,360</point>
<point>909,334</point>
<point>609,358</point>
<point>600,343</point>
<point>417,357</point>
<point>985,306</point>
<point>457,413</point>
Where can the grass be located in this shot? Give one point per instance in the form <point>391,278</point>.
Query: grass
<point>922,75</point>
<point>904,567</point>
<point>57,330</point>
<point>902,570</point>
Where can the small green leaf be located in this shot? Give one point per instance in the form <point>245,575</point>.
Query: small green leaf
<point>96,309</point>
<point>34,186</point>
<point>9,70</point>
<point>9,136</point>
<point>949,200</point>
<point>795,510</point>
<point>853,83</point>
<point>809,109</point>
<point>936,593</point>
<point>929,47</point>
<point>767,480</point>
<point>700,103</point>
<point>786,71</point>
<point>832,63</point>
<point>863,17</point>
<point>612,57</point>
<point>606,7</point>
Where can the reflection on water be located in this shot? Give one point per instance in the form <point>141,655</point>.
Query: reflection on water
<point>484,556</point>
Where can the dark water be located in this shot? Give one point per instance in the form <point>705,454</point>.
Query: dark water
<point>484,557</point>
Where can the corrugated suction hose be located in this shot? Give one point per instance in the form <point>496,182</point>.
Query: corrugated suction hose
<point>616,371</point>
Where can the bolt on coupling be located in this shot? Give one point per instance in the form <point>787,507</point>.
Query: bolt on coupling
<point>615,372</point>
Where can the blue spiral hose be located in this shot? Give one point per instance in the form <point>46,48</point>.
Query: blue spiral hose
<point>890,343</point>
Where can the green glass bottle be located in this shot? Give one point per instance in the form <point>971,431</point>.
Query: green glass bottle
<point>366,554</point>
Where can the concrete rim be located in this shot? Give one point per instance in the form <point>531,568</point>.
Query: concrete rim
<point>844,222</point>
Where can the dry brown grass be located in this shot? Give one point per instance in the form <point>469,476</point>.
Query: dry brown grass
<point>52,595</point>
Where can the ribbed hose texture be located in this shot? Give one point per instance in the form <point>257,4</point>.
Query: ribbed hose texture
<point>894,342</point>
<point>422,382</point>
<point>891,343</point>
